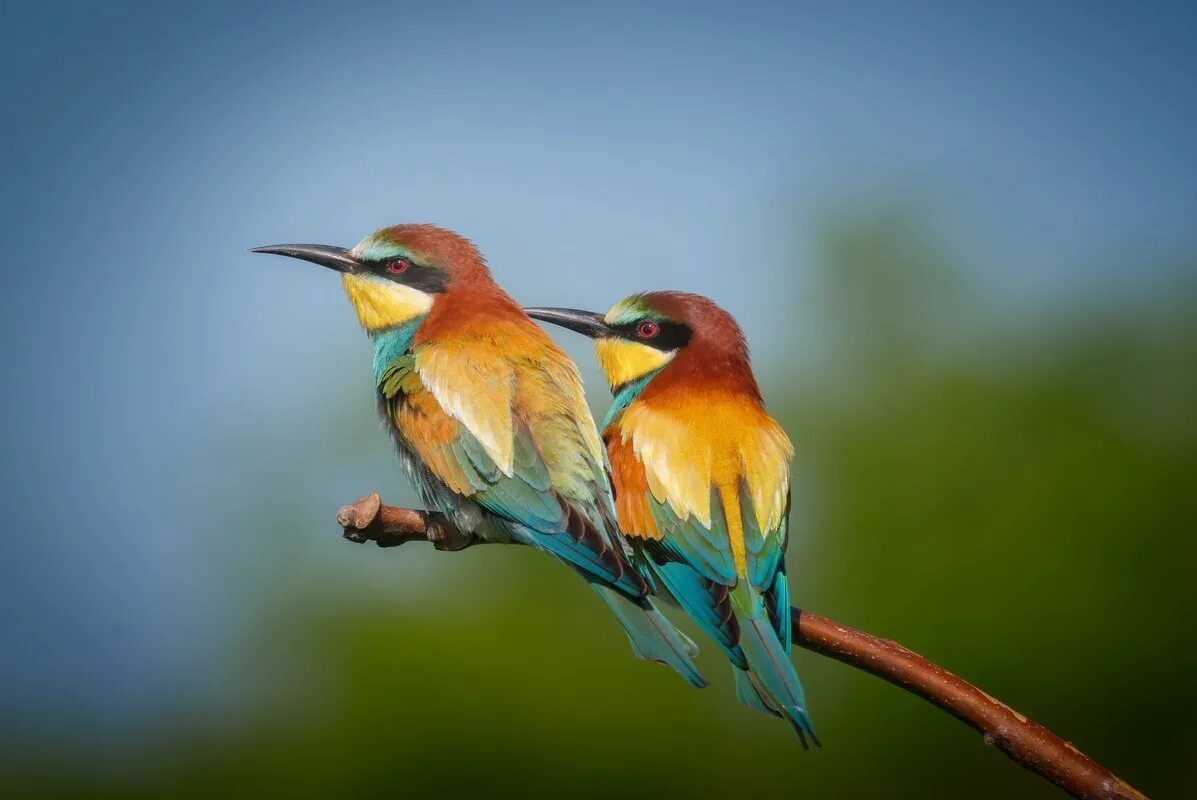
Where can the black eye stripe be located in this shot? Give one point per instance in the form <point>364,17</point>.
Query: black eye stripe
<point>670,336</point>
<point>418,276</point>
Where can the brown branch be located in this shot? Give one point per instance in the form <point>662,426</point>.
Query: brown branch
<point>369,520</point>
<point>1025,741</point>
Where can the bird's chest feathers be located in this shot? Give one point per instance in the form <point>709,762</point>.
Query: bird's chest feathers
<point>695,447</point>
<point>436,393</point>
<point>411,412</point>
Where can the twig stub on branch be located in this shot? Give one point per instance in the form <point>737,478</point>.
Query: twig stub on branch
<point>368,520</point>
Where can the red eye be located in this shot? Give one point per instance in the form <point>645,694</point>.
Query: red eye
<point>398,266</point>
<point>647,329</point>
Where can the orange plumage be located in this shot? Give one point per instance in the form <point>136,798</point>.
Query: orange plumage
<point>700,425</point>
<point>489,417</point>
<point>701,475</point>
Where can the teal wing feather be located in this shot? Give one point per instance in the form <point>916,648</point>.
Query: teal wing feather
<point>777,603</point>
<point>766,570</point>
<point>574,522</point>
<point>525,501</point>
<point>707,602</point>
<point>750,619</point>
<point>706,549</point>
<point>571,529</point>
<point>695,563</point>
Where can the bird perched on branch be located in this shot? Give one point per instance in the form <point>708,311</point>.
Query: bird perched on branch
<point>488,415</point>
<point>702,479</point>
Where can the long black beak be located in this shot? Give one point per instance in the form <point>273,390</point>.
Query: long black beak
<point>586,323</point>
<point>337,258</point>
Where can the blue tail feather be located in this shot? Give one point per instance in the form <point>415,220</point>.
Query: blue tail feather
<point>770,664</point>
<point>749,695</point>
<point>693,593</point>
<point>652,635</point>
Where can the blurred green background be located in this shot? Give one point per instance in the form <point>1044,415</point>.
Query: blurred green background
<point>977,321</point>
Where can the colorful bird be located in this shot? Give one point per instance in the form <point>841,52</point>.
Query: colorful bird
<point>702,479</point>
<point>488,415</point>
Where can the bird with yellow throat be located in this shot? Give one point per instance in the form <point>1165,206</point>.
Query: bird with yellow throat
<point>702,479</point>
<point>488,415</point>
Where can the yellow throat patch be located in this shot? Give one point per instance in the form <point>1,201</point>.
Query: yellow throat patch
<point>384,304</point>
<point>623,361</point>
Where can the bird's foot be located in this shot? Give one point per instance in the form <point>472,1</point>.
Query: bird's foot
<point>444,535</point>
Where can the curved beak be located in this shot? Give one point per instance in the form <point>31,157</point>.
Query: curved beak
<point>586,323</point>
<point>337,258</point>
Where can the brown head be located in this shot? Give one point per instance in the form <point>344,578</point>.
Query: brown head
<point>399,274</point>
<point>685,338</point>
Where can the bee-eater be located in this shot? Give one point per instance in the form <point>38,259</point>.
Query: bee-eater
<point>488,414</point>
<point>702,479</point>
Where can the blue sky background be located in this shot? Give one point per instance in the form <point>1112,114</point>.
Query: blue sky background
<point>149,361</point>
